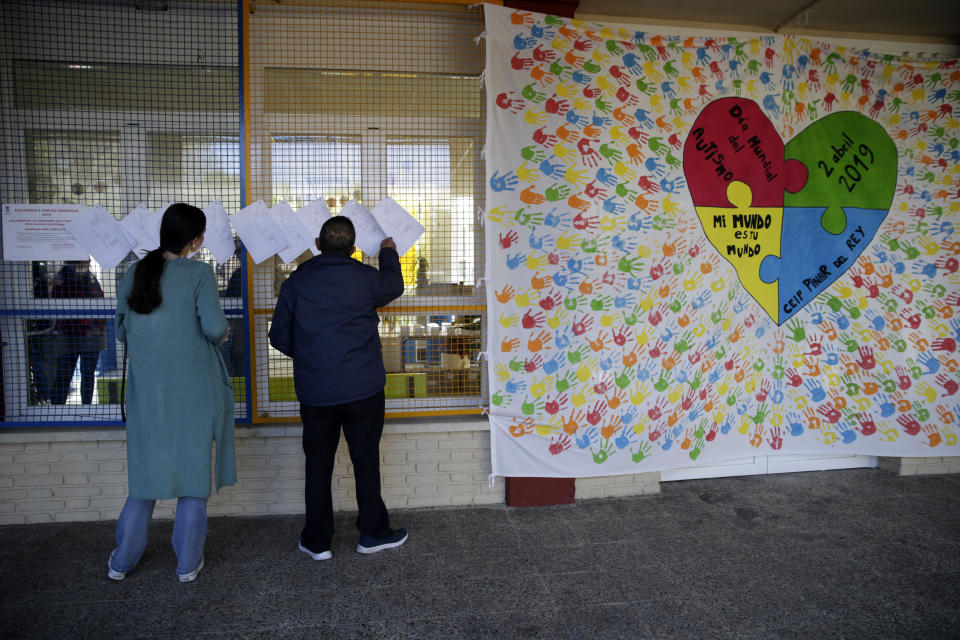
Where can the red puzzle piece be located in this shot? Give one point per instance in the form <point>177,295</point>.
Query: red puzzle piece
<point>732,139</point>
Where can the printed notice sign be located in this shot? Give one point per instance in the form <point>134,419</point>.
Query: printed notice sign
<point>39,232</point>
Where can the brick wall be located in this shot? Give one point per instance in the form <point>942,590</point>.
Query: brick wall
<point>920,466</point>
<point>58,476</point>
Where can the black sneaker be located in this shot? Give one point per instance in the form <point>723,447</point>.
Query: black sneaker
<point>322,555</point>
<point>369,544</point>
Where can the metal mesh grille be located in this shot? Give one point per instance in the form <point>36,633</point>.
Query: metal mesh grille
<point>121,104</point>
<point>113,104</point>
<point>363,100</point>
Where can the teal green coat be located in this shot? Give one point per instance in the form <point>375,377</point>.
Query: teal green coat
<point>179,398</point>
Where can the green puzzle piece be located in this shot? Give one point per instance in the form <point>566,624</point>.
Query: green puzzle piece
<point>851,162</point>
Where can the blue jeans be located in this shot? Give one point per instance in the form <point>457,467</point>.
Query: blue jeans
<point>189,533</point>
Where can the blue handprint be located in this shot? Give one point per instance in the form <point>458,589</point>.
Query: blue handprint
<point>612,205</point>
<point>929,362</point>
<point>726,426</point>
<point>588,437</point>
<point>601,121</point>
<point>626,245</point>
<point>639,221</point>
<point>795,424</point>
<point>887,408</point>
<point>654,166</point>
<point>550,367</point>
<point>674,185</point>
<point>770,104</point>
<point>506,182</point>
<point>516,260</point>
<point>576,119</point>
<point>643,118</point>
<point>520,43</point>
<point>580,77</point>
<point>552,170</point>
<point>607,177</point>
<point>625,438</point>
<point>847,434</point>
<point>514,387</point>
<point>621,302</point>
<point>575,265</point>
<point>816,391</point>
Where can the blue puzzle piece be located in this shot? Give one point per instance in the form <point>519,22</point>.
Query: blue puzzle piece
<point>812,258</point>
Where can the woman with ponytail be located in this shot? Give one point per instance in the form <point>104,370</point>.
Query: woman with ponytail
<point>179,398</point>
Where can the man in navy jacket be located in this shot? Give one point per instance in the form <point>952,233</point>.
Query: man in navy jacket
<point>326,320</point>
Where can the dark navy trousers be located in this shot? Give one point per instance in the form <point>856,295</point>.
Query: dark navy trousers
<point>362,424</point>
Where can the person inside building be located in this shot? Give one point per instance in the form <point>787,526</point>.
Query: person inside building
<point>77,338</point>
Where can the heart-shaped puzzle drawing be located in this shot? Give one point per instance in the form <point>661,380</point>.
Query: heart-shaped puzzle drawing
<point>790,219</point>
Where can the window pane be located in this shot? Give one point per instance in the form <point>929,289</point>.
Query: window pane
<point>421,176</point>
<point>194,169</point>
<point>74,168</point>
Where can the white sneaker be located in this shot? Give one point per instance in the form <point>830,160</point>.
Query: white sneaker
<point>190,577</point>
<point>112,573</point>
<point>323,555</point>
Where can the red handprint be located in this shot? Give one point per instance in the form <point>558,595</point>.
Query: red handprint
<point>596,415</point>
<point>559,444</point>
<point>909,424</point>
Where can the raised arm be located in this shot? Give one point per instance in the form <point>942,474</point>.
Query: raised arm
<point>390,285</point>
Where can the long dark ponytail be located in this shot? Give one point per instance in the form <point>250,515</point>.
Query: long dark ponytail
<point>180,225</point>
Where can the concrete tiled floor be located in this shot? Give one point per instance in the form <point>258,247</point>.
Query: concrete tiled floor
<point>837,554</point>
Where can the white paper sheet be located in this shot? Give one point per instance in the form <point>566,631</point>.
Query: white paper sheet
<point>369,233</point>
<point>313,215</point>
<point>38,232</point>
<point>218,238</point>
<point>140,228</point>
<point>295,233</point>
<point>397,223</point>
<point>258,231</point>
<point>100,234</point>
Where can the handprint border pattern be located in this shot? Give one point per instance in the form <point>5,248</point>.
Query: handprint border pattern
<point>619,341</point>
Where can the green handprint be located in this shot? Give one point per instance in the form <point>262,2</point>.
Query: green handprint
<point>657,145</point>
<point>592,67</point>
<point>572,303</point>
<point>796,326</point>
<point>605,451</point>
<point>733,397</point>
<point>642,452</point>
<point>628,265</point>
<point>623,380</point>
<point>564,383</point>
<point>614,47</point>
<point>664,381</point>
<point>625,192</point>
<point>701,429</point>
<point>516,364</point>
<point>683,344</point>
<point>610,153</point>
<point>761,413</point>
<point>530,93</point>
<point>532,153</point>
<point>557,192</point>
<point>696,381</point>
<point>849,343</point>
<point>646,87</point>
